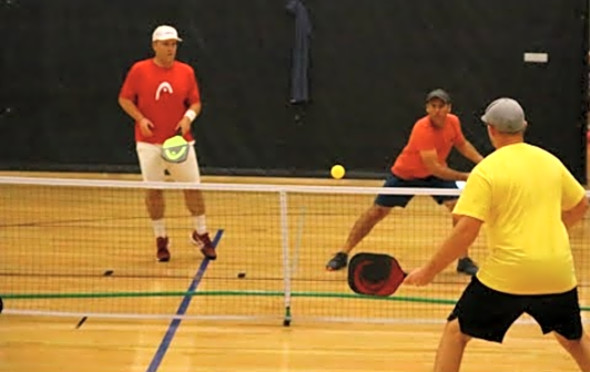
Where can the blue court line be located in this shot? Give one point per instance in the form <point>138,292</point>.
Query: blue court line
<point>155,363</point>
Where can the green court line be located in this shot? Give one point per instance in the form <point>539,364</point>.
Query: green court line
<point>74,295</point>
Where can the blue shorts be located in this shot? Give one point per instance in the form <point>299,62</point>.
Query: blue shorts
<point>403,200</point>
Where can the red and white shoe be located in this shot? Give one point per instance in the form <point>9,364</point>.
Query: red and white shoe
<point>163,254</point>
<point>204,242</point>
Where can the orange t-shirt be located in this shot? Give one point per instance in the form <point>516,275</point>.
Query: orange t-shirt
<point>162,95</point>
<point>425,136</point>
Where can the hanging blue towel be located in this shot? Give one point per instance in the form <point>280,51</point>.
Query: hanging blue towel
<point>300,63</point>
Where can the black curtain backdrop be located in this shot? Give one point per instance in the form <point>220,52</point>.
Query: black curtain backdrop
<point>371,64</point>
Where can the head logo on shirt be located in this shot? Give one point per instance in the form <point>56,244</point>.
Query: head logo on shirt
<point>164,87</point>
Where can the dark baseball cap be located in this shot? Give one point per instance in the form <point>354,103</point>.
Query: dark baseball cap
<point>438,94</point>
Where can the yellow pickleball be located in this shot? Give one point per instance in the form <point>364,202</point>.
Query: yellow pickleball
<point>337,171</point>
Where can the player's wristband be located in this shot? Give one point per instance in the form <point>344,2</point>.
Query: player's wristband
<point>190,114</point>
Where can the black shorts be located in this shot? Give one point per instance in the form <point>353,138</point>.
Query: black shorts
<point>487,314</point>
<point>403,200</point>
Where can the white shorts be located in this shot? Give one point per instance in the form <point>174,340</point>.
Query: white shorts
<point>153,166</point>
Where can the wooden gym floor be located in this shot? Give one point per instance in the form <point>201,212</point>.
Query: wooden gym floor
<point>47,343</point>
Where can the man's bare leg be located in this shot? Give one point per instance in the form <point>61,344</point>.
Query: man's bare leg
<point>450,349</point>
<point>194,202</point>
<point>361,228</point>
<point>196,205</point>
<point>578,349</point>
<point>154,202</point>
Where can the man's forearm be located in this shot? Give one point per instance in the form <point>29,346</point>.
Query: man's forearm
<point>470,152</point>
<point>196,107</point>
<point>448,174</point>
<point>575,215</point>
<point>131,109</point>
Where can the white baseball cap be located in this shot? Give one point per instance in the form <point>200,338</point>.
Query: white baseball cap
<point>165,32</point>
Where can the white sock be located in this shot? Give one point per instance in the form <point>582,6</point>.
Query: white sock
<point>159,228</point>
<point>200,224</point>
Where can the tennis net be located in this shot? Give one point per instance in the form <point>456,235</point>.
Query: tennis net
<point>85,247</point>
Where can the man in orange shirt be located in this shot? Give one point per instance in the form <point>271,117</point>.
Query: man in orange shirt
<point>162,96</point>
<point>422,163</point>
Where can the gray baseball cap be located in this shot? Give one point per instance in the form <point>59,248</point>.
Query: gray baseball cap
<point>506,115</point>
<point>439,94</point>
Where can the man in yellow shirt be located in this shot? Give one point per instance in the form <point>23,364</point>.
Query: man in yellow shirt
<point>527,200</point>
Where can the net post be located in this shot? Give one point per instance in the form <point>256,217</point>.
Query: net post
<point>286,259</point>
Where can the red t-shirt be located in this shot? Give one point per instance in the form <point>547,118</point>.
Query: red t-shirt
<point>162,95</point>
<point>425,136</point>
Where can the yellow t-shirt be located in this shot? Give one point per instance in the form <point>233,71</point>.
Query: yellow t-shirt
<point>519,192</point>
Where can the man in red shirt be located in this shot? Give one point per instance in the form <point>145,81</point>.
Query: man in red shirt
<point>422,163</point>
<point>162,96</point>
